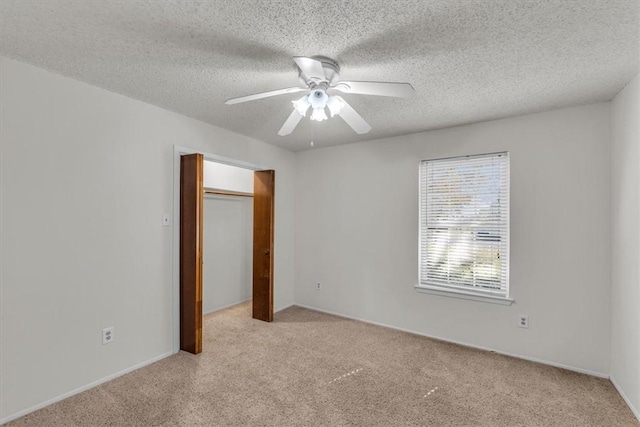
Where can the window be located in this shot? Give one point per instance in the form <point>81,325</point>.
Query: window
<point>464,227</point>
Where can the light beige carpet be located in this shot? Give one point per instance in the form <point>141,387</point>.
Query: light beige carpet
<point>312,369</point>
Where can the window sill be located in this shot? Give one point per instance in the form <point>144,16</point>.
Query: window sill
<point>436,290</point>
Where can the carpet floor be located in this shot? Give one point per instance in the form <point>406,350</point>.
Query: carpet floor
<point>313,369</point>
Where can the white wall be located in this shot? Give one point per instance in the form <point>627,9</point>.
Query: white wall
<point>357,234</point>
<point>86,175</point>
<point>625,243</point>
<point>228,251</point>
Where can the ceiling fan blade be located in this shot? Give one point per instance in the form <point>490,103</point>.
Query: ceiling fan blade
<point>311,68</point>
<point>291,123</point>
<point>397,90</point>
<point>264,95</point>
<point>353,119</point>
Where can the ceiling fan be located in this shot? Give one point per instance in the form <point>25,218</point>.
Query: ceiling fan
<point>320,76</point>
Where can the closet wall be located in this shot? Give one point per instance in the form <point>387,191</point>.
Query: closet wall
<point>228,237</point>
<point>227,256</point>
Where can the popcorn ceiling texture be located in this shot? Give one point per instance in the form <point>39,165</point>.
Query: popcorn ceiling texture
<point>469,60</point>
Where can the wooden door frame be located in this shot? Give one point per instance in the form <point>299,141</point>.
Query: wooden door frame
<point>191,242</point>
<point>263,244</point>
<point>178,151</point>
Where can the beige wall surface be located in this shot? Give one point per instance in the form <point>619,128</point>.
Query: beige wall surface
<point>357,234</point>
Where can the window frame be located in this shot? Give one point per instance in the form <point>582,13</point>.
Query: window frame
<point>452,291</point>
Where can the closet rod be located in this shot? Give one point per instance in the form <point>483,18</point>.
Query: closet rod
<point>227,193</point>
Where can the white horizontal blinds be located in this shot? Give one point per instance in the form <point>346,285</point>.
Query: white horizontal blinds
<point>464,223</point>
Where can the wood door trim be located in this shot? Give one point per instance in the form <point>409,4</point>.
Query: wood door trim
<point>263,243</point>
<point>191,210</point>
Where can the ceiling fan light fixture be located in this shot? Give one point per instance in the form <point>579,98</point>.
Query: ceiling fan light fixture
<point>318,114</point>
<point>335,105</point>
<point>301,105</point>
<point>319,75</point>
<point>318,98</point>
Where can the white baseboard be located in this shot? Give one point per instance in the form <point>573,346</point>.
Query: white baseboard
<point>635,410</point>
<point>83,388</point>
<point>518,356</point>
<point>164,355</point>
<point>285,307</point>
<point>215,310</point>
<point>242,302</point>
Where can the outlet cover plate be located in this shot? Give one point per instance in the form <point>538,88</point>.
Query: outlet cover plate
<point>523,321</point>
<point>107,335</point>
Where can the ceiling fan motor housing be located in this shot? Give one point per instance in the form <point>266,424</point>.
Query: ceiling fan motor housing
<point>331,73</point>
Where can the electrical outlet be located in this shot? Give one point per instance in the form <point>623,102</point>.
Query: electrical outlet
<point>318,286</point>
<point>523,321</point>
<point>107,335</point>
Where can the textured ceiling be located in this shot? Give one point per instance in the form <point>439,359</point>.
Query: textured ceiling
<point>469,60</point>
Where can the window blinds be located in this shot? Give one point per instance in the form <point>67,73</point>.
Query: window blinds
<point>464,223</point>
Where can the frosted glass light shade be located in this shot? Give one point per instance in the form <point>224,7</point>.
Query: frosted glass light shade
<point>301,105</point>
<point>318,115</point>
<point>335,104</point>
<point>318,98</point>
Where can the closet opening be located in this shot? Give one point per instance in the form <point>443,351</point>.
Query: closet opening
<point>226,242</point>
